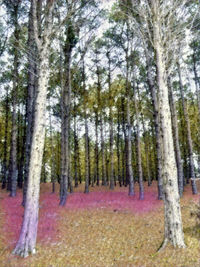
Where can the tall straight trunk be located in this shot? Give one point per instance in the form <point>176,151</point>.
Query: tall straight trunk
<point>65,100</point>
<point>138,146</point>
<point>27,240</point>
<point>184,145</point>
<point>30,101</point>
<point>22,141</point>
<point>118,149</point>
<point>125,150</point>
<point>146,144</point>
<point>75,149</point>
<point>5,150</point>
<point>91,181</point>
<point>129,150</point>
<point>189,138</point>
<point>152,89</point>
<point>70,177</point>
<point>66,108</point>
<point>123,162</point>
<point>79,163</point>
<point>112,183</point>
<point>87,152</point>
<point>107,166</point>
<point>128,130</point>
<point>13,148</point>
<point>172,210</point>
<point>103,152</point>
<point>86,156</point>
<point>176,140</point>
<point>96,149</point>
<point>52,160</point>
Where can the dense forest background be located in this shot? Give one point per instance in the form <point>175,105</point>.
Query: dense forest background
<point>108,68</point>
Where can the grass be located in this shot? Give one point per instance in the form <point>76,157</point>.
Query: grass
<point>100,231</point>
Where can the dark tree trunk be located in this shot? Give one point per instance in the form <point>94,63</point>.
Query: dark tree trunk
<point>125,150</point>
<point>189,138</point>
<point>79,163</point>
<point>65,100</point>
<point>87,152</point>
<point>146,144</point>
<point>176,140</point>
<point>5,151</point>
<point>152,89</point>
<point>21,148</point>
<point>138,148</point>
<point>52,153</point>
<point>96,149</point>
<point>75,150</point>
<point>112,183</point>
<point>104,182</point>
<point>13,150</point>
<point>118,149</point>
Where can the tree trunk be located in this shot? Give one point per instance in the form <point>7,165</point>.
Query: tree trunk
<point>27,240</point>
<point>138,146</point>
<point>152,89</point>
<point>189,138</point>
<point>173,221</point>
<point>65,100</point>
<point>125,177</point>
<point>30,102</point>
<point>103,153</point>
<point>5,150</point>
<point>176,140</point>
<point>146,144</point>
<point>118,149</point>
<point>66,106</point>
<point>75,150</point>
<point>13,152</point>
<point>96,149</point>
<point>112,183</point>
<point>87,157</point>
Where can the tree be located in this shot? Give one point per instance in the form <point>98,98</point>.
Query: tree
<point>189,138</point>
<point>159,18</point>
<point>14,8</point>
<point>28,234</point>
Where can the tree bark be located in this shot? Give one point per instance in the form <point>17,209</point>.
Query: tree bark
<point>173,221</point>
<point>138,146</point>
<point>112,183</point>
<point>189,138</point>
<point>28,234</point>
<point>176,140</point>
<point>152,89</point>
<point>5,150</point>
<point>30,102</point>
<point>13,150</point>
<point>66,106</point>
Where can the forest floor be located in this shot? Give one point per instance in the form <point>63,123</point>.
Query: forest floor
<point>101,229</point>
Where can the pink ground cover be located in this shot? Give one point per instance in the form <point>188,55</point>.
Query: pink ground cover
<point>14,215</point>
<point>117,200</point>
<point>114,200</point>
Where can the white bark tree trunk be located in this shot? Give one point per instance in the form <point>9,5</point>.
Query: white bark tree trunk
<point>173,221</point>
<point>27,240</point>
